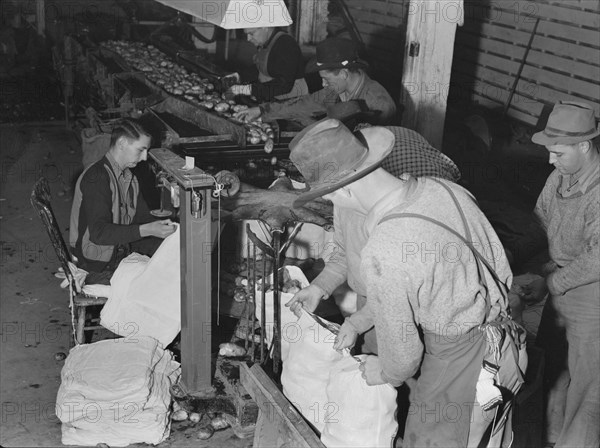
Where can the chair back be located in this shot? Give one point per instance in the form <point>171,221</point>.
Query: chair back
<point>40,200</point>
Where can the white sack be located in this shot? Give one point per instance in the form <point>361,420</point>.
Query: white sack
<point>308,356</point>
<point>116,392</point>
<point>362,418</point>
<point>145,295</point>
<point>325,386</point>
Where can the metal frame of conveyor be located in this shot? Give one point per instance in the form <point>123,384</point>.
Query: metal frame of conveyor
<point>196,242</point>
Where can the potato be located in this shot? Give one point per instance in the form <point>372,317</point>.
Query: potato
<point>179,416</point>
<point>222,107</point>
<point>195,417</point>
<point>269,145</point>
<point>239,296</point>
<point>229,349</point>
<point>206,432</point>
<point>219,423</point>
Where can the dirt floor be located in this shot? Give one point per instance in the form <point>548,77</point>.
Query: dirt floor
<point>505,176</point>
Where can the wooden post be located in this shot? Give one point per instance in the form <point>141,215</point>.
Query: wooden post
<point>40,17</point>
<point>311,24</point>
<point>428,57</point>
<point>196,322</point>
<point>196,245</point>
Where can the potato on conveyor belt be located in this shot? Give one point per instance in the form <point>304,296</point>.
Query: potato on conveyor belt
<point>177,81</point>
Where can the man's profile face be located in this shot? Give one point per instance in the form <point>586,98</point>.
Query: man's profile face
<point>257,36</point>
<point>336,82</point>
<point>567,159</point>
<point>133,151</point>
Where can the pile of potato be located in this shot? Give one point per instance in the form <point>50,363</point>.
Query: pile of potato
<point>159,69</point>
<point>176,80</point>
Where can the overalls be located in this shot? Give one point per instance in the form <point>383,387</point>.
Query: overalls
<point>262,61</point>
<point>444,411</point>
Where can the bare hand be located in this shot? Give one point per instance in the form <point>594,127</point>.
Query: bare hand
<point>159,229</point>
<point>246,115</point>
<point>307,298</point>
<point>346,337</point>
<point>371,371</point>
<point>535,291</point>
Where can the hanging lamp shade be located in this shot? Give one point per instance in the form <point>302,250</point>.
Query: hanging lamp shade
<point>235,14</point>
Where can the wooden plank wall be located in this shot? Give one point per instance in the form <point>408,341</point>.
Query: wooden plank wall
<point>563,63</point>
<point>382,25</point>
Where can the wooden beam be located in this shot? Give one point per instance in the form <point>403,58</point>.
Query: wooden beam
<point>40,16</point>
<point>312,23</point>
<point>196,244</point>
<point>279,423</point>
<point>428,56</point>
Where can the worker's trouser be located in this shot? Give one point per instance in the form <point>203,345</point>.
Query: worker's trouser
<point>570,334</point>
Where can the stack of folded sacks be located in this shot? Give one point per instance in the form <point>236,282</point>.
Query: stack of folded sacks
<point>116,392</point>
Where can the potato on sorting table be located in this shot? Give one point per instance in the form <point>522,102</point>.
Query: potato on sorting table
<point>179,416</point>
<point>269,145</point>
<point>222,107</point>
<point>206,432</point>
<point>195,417</point>
<point>229,349</point>
<point>219,423</point>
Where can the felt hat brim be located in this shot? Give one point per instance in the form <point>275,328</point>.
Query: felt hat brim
<point>380,143</point>
<point>547,139</point>
<point>313,66</point>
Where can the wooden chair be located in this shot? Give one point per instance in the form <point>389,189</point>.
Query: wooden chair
<point>40,200</point>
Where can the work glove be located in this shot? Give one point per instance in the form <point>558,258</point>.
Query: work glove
<point>79,276</point>
<point>239,89</point>
<point>230,80</point>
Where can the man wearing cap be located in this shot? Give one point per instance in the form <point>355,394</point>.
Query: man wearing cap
<point>344,79</point>
<point>569,210</point>
<point>421,277</point>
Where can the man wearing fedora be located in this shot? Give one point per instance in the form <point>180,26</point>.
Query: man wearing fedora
<point>340,278</point>
<point>436,274</point>
<point>569,210</point>
<point>344,79</point>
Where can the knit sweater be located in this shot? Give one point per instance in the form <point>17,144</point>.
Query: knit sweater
<point>97,225</point>
<point>572,225</point>
<point>419,274</point>
<point>307,108</point>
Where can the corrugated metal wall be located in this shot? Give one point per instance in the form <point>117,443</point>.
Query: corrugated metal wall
<point>563,63</point>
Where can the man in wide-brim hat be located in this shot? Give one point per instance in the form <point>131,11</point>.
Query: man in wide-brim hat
<point>568,208</point>
<point>344,79</point>
<point>420,278</point>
